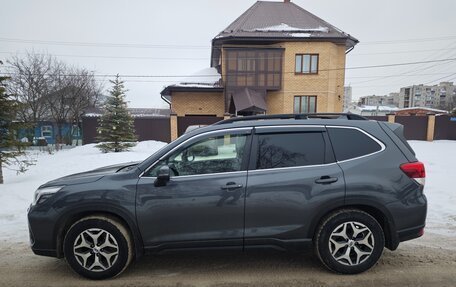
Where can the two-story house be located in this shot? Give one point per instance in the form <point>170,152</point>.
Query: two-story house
<point>275,58</point>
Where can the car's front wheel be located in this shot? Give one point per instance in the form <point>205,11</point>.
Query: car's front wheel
<point>349,241</point>
<point>98,247</point>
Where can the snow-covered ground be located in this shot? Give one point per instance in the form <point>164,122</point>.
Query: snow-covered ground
<point>439,158</point>
<point>16,194</point>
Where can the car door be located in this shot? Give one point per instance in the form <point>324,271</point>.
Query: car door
<point>203,202</point>
<point>292,178</point>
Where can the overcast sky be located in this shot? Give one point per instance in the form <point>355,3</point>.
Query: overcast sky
<point>390,31</point>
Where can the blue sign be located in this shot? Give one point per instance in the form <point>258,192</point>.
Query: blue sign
<point>453,119</point>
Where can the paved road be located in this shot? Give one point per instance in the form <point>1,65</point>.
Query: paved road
<point>430,261</point>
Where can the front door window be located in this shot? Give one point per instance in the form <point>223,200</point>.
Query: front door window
<point>216,154</point>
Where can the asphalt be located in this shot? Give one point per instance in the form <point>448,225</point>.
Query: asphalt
<point>429,261</point>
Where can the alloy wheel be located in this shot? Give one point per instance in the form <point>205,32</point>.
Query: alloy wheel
<point>351,243</point>
<point>96,249</point>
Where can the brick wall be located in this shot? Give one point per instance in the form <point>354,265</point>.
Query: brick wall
<point>198,103</point>
<point>327,85</point>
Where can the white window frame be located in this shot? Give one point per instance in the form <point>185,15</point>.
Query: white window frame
<point>47,129</point>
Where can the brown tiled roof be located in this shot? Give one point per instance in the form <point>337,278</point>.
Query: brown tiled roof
<point>281,20</point>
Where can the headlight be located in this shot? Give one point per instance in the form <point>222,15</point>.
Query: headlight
<point>42,194</point>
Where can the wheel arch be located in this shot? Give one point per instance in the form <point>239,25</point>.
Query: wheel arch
<point>380,214</point>
<point>76,214</point>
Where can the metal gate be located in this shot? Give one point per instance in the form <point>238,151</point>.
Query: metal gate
<point>445,128</point>
<point>415,127</point>
<point>191,120</point>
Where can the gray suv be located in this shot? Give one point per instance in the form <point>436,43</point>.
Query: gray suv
<point>345,185</point>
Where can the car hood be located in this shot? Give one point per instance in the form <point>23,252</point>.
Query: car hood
<point>90,176</point>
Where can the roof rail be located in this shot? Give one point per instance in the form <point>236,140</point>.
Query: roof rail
<point>338,116</point>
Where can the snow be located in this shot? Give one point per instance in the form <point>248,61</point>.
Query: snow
<point>299,35</point>
<point>287,28</point>
<point>16,194</point>
<point>439,158</point>
<point>377,108</point>
<point>135,113</point>
<point>208,77</point>
<point>425,108</point>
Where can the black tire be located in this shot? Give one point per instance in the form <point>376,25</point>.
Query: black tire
<point>335,222</point>
<point>105,227</point>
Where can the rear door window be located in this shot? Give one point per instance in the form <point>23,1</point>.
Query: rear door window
<point>349,143</point>
<point>290,150</point>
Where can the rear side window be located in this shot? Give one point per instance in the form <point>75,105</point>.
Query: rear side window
<point>290,149</point>
<point>351,143</point>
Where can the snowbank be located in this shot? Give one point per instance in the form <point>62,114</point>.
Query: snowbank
<point>439,158</point>
<point>16,194</point>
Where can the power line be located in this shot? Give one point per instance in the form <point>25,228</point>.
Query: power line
<point>110,57</point>
<point>101,44</point>
<point>321,70</point>
<point>439,79</point>
<point>399,52</point>
<point>181,46</point>
<point>413,40</point>
<point>451,46</point>
<point>205,58</point>
<point>173,81</point>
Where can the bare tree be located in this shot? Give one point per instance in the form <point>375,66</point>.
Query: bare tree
<point>73,91</point>
<point>30,85</point>
<point>50,89</point>
<point>85,93</point>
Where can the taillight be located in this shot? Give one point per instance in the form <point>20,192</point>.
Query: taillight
<point>415,170</point>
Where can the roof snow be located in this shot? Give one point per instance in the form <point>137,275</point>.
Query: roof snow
<point>205,78</point>
<point>377,108</point>
<point>135,112</point>
<point>287,28</point>
<point>425,108</point>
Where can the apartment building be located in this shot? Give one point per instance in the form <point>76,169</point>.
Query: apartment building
<point>391,100</point>
<point>347,97</point>
<point>441,96</point>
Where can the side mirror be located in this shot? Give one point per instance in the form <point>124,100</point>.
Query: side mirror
<point>163,176</point>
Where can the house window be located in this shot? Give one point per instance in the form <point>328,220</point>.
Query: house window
<point>306,64</point>
<point>46,131</point>
<point>305,104</point>
<point>257,68</point>
<point>75,131</point>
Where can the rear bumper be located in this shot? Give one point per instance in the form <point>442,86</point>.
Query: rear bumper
<point>410,233</point>
<point>409,219</point>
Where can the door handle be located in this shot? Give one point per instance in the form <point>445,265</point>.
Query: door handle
<point>231,186</point>
<point>326,180</point>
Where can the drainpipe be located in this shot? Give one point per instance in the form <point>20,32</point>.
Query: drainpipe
<point>166,101</point>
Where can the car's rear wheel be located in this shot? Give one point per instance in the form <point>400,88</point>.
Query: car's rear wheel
<point>349,241</point>
<point>98,247</point>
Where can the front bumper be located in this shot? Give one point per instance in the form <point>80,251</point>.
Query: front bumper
<point>42,231</point>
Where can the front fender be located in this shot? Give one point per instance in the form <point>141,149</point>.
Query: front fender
<point>73,214</point>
